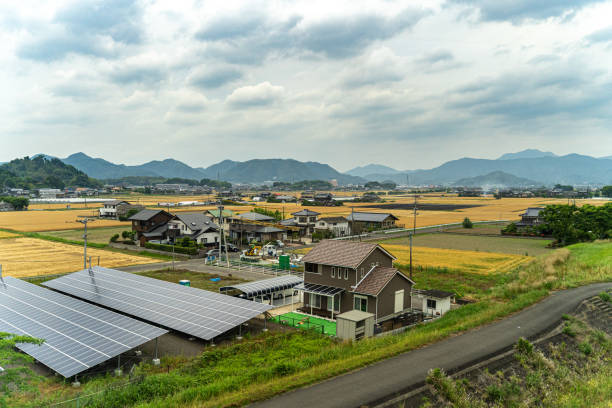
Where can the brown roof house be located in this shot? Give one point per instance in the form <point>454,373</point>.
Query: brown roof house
<point>343,275</point>
<point>150,225</point>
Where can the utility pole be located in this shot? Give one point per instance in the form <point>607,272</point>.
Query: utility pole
<point>84,221</point>
<point>220,207</point>
<point>413,232</point>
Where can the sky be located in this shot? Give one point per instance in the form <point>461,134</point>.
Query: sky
<point>407,84</point>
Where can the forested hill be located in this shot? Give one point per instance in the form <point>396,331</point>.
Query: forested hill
<point>42,172</point>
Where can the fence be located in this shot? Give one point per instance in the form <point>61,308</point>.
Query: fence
<point>240,266</point>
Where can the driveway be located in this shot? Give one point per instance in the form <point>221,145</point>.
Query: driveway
<point>391,377</point>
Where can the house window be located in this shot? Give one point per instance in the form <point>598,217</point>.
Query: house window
<point>339,273</point>
<point>361,303</point>
<point>336,303</point>
<point>310,267</point>
<point>345,273</point>
<point>431,304</point>
<point>333,272</point>
<point>315,300</point>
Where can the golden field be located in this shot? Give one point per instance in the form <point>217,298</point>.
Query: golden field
<point>4,234</point>
<point>466,261</point>
<point>52,220</point>
<point>22,257</point>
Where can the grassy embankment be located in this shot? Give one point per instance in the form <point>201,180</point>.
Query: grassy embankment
<point>573,371</point>
<point>271,363</point>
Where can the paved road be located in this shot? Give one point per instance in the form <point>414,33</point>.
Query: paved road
<point>387,378</point>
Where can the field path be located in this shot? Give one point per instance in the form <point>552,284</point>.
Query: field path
<point>385,379</point>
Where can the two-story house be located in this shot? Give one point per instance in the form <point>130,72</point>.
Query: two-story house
<point>150,225</point>
<point>338,225</point>
<point>116,209</point>
<point>344,275</point>
<point>361,222</point>
<point>194,225</point>
<point>306,220</point>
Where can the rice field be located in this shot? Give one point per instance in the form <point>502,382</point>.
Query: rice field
<point>5,234</point>
<point>23,257</point>
<point>485,263</point>
<point>467,261</point>
<point>36,221</point>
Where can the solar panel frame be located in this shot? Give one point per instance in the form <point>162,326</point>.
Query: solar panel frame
<point>265,286</point>
<point>78,335</point>
<point>199,313</point>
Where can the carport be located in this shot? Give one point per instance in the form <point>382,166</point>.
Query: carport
<point>272,288</point>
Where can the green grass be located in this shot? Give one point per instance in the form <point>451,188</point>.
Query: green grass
<point>198,280</point>
<point>302,321</point>
<point>518,246</point>
<point>271,363</point>
<point>94,235</point>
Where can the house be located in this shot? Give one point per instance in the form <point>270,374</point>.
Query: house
<point>150,225</point>
<point>117,209</point>
<point>339,226</point>
<point>4,206</point>
<point>286,198</point>
<point>365,221</point>
<point>531,217</point>
<point>344,275</point>
<point>227,215</point>
<point>252,226</point>
<point>194,225</point>
<point>306,220</point>
<point>47,193</point>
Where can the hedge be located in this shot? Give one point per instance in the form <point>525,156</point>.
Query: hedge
<point>168,248</point>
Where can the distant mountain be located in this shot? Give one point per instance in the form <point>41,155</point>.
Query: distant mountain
<point>103,169</point>
<point>252,171</point>
<point>526,154</point>
<point>40,172</point>
<point>260,170</point>
<point>606,157</point>
<point>496,179</point>
<point>363,171</point>
<point>570,169</point>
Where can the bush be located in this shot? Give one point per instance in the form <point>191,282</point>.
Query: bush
<point>605,296</point>
<point>585,348</point>
<point>523,346</point>
<point>114,238</point>
<point>168,248</point>
<point>467,223</point>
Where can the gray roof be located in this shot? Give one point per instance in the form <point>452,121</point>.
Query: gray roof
<point>369,217</point>
<point>156,232</point>
<point>253,216</point>
<point>115,202</point>
<point>532,212</point>
<point>265,286</point>
<point>355,315</point>
<point>265,230</point>
<point>439,294</point>
<point>288,222</point>
<point>333,219</point>
<point>144,215</point>
<point>196,220</point>
<point>306,212</point>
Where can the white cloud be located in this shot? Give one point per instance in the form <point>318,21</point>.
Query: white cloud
<point>256,95</point>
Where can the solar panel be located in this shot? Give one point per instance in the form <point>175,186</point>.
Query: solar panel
<point>199,313</point>
<point>77,335</point>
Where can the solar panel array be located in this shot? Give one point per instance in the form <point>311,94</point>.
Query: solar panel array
<point>199,313</point>
<point>77,335</point>
<point>265,286</point>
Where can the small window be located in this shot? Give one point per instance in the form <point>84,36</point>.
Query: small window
<point>345,273</point>
<point>333,272</point>
<point>431,304</point>
<point>362,273</point>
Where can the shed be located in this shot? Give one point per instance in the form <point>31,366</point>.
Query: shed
<point>354,325</point>
<point>435,302</point>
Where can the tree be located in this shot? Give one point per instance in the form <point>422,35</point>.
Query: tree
<point>467,223</point>
<point>606,191</point>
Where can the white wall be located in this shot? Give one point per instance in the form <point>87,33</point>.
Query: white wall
<point>442,306</point>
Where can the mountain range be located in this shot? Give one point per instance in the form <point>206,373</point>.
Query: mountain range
<point>528,167</point>
<point>252,171</point>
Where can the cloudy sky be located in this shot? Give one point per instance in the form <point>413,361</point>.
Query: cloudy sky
<point>345,82</point>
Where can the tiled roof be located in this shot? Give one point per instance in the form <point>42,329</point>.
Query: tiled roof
<point>440,294</point>
<point>253,216</point>
<point>340,253</point>
<point>532,212</point>
<point>144,215</point>
<point>375,280</point>
<point>369,217</point>
<point>305,212</point>
<point>333,219</point>
<point>196,220</point>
